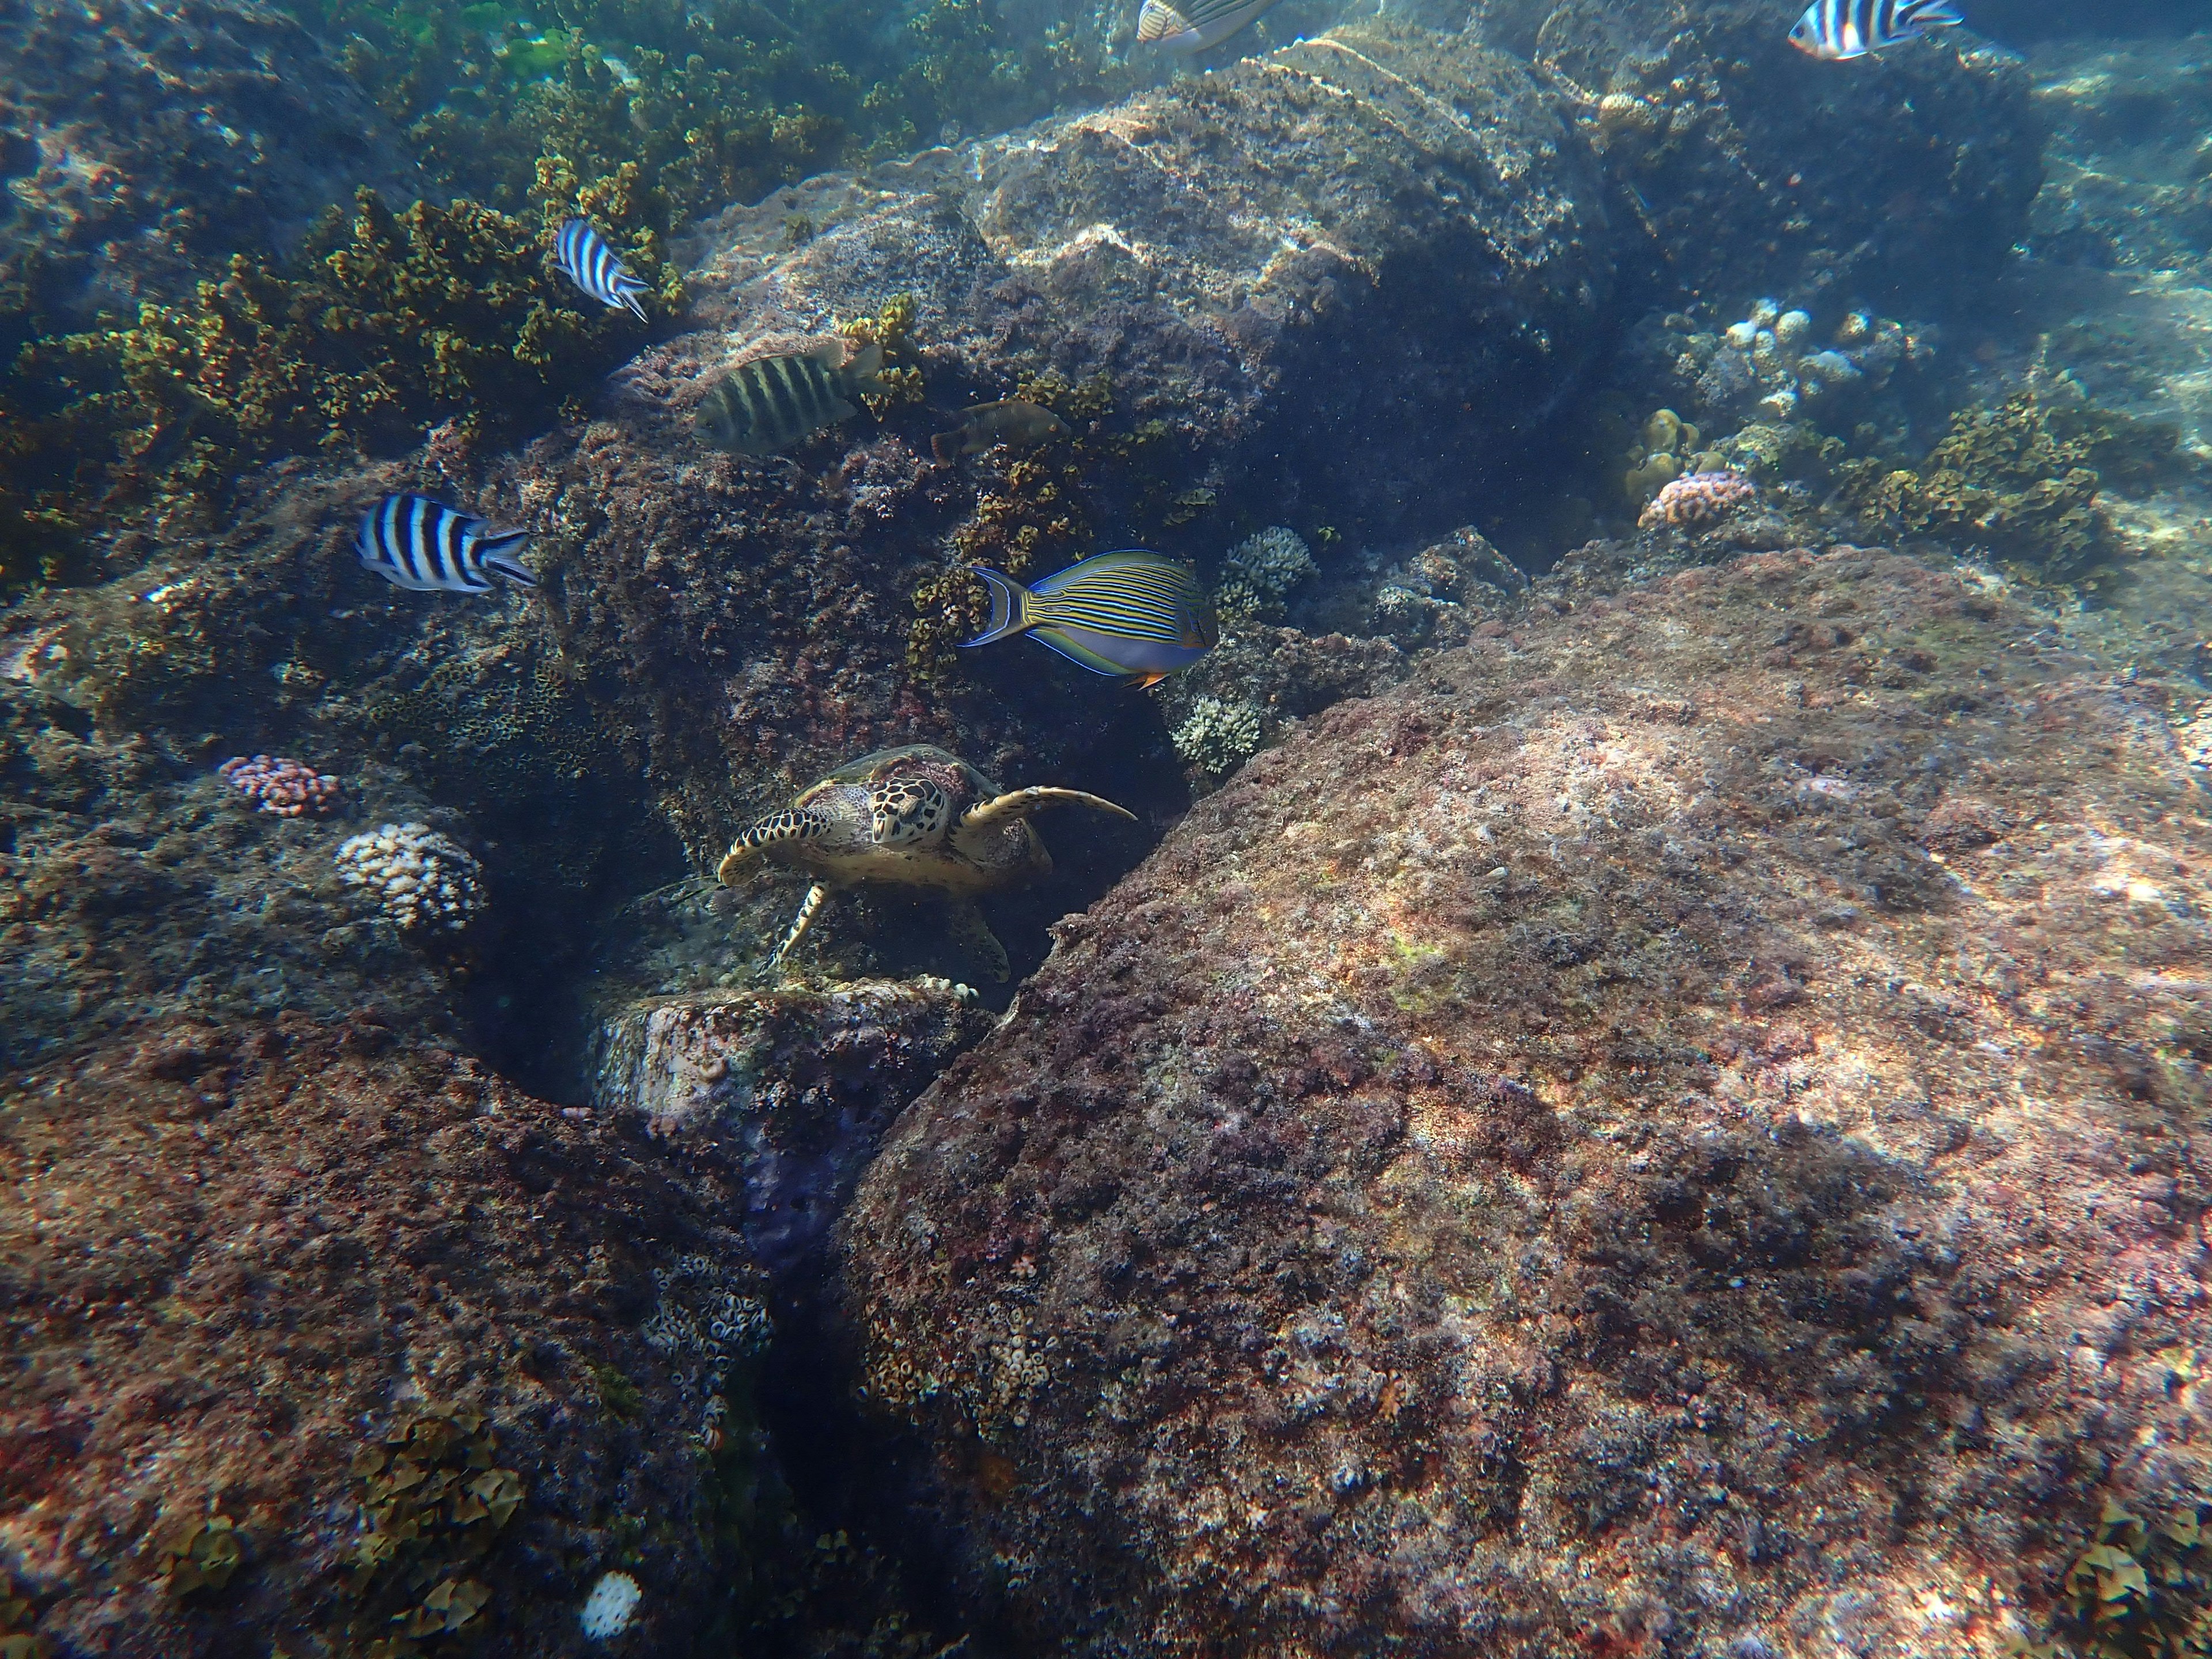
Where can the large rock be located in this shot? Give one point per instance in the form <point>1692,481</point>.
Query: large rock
<point>1675,1132</point>
<point>1352,271</point>
<point>1900,181</point>
<point>141,145</point>
<point>237,1257</point>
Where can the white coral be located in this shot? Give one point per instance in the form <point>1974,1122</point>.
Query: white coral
<point>1259,569</point>
<point>422,880</point>
<point>1218,735</point>
<point>611,1606</point>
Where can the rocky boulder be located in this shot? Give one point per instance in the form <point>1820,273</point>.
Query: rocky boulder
<point>1674,1131</point>
<point>1348,274</point>
<point>1901,180</point>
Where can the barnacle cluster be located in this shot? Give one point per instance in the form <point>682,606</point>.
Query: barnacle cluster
<point>2022,479</point>
<point>1259,571</point>
<point>704,1325</point>
<point>432,1504</point>
<point>424,881</point>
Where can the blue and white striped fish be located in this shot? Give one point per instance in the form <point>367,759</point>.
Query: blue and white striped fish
<point>595,267</point>
<point>427,547</point>
<point>1851,28</point>
<point>1131,613</point>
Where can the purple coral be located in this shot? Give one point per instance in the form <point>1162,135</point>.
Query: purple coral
<point>289,788</point>
<point>1694,502</point>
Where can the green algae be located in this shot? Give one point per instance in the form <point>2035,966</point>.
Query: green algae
<point>2142,1589</point>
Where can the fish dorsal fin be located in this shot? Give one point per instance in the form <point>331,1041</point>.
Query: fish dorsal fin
<point>1020,803</point>
<point>830,354</point>
<point>1060,580</point>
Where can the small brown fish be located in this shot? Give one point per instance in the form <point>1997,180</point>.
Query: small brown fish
<point>1009,421</point>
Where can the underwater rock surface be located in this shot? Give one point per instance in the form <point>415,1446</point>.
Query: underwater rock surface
<point>1676,1126</point>
<point>1756,169</point>
<point>235,1256</point>
<point>797,1085</point>
<point>141,145</point>
<point>1379,249</point>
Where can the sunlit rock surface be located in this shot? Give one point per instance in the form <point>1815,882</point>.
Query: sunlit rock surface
<point>1675,1128</point>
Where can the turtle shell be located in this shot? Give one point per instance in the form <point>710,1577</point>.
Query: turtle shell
<point>891,816</point>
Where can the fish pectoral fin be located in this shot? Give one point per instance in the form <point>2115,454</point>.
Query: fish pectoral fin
<point>800,923</point>
<point>1020,803</point>
<point>973,936</point>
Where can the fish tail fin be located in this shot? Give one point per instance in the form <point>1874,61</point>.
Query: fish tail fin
<point>1010,606</point>
<point>1937,15</point>
<point>862,373</point>
<point>629,298</point>
<point>945,446</point>
<point>497,553</point>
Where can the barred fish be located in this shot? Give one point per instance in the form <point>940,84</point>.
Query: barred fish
<point>1194,25</point>
<point>772,402</point>
<point>427,547</point>
<point>1009,421</point>
<point>596,268</point>
<point>1132,613</point>
<point>1851,28</point>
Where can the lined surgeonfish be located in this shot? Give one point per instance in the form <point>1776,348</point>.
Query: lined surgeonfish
<point>1851,28</point>
<point>1194,25</point>
<point>596,268</point>
<point>427,547</point>
<point>1131,613</point>
<point>772,402</point>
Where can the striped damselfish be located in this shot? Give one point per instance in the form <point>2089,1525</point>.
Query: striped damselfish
<point>1852,28</point>
<point>765,405</point>
<point>1130,612</point>
<point>596,268</point>
<point>427,547</point>
<point>1194,25</point>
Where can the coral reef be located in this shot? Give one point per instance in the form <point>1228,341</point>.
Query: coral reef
<point>1773,365</point>
<point>1217,737</point>
<point>1697,500</point>
<point>1258,572</point>
<point>288,788</point>
<point>421,880</point>
<point>1668,447</point>
<point>608,1610</point>
<point>1675,1120</point>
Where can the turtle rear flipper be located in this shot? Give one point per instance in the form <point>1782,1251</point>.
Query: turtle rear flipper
<point>795,823</point>
<point>972,934</point>
<point>1019,804</point>
<point>800,923</point>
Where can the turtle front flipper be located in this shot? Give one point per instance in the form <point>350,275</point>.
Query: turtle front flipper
<point>804,921</point>
<point>793,823</point>
<point>985,816</point>
<point>972,934</point>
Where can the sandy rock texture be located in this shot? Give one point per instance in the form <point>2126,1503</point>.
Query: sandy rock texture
<point>1675,1130</point>
<point>1337,264</point>
<point>235,1256</point>
<point>141,145</point>
<point>1900,181</point>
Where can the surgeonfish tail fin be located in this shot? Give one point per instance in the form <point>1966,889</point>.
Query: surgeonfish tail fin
<point>497,553</point>
<point>861,374</point>
<point>1157,20</point>
<point>1010,606</point>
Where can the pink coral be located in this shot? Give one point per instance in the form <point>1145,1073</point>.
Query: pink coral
<point>1694,502</point>
<point>286,787</point>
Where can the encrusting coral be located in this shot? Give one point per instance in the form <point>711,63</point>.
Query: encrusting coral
<point>1696,500</point>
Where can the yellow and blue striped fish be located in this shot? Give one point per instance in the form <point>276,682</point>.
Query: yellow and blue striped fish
<point>1131,613</point>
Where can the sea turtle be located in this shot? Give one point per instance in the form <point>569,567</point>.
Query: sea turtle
<point>916,816</point>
